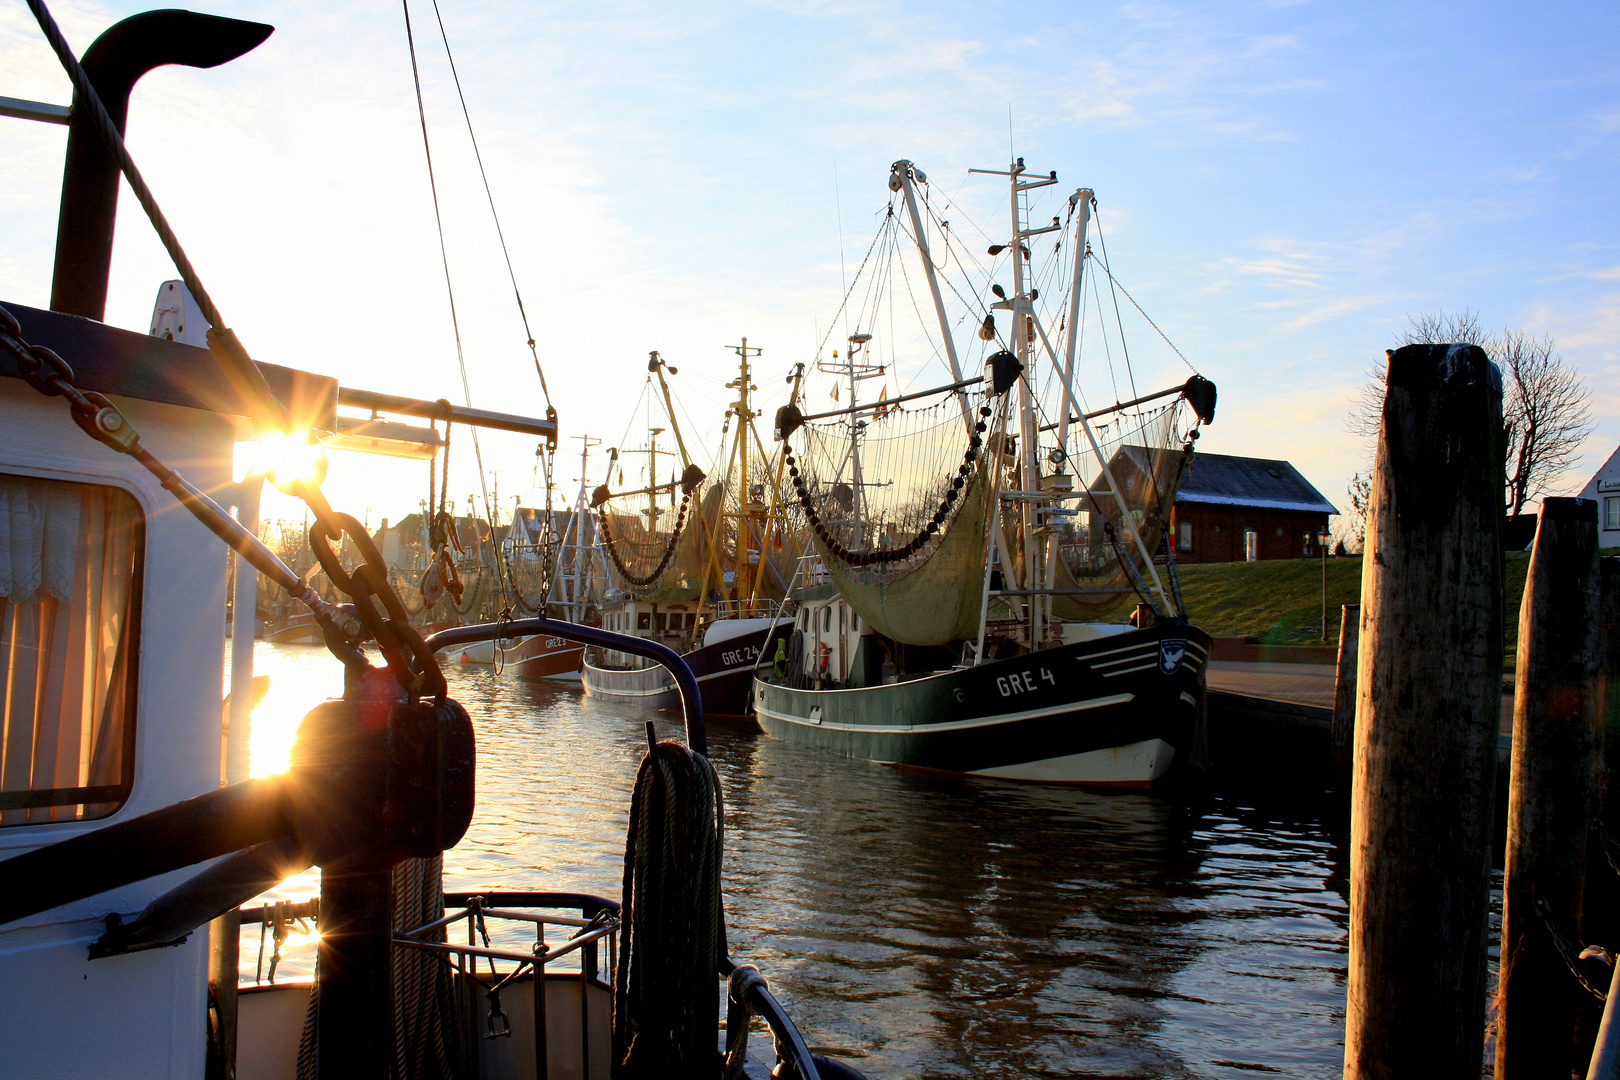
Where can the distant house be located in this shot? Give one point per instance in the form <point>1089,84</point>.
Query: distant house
<point>1605,488</point>
<point>1232,509</point>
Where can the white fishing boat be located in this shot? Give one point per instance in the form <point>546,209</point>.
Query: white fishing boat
<point>130,830</point>
<point>969,539</point>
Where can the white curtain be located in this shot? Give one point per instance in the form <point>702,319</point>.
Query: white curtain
<point>67,582</point>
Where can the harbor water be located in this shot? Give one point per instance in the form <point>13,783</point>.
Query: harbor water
<point>915,925</point>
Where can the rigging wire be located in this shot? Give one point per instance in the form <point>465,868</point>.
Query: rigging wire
<point>1151,323</point>
<point>545,458</point>
<point>1130,372</point>
<point>490,195</point>
<point>444,256</point>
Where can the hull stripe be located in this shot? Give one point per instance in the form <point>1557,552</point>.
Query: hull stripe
<point>1128,670</point>
<point>1126,659</point>
<point>949,725</point>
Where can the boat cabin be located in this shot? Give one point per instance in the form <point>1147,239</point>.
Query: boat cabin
<point>831,646</point>
<point>672,624</point>
<point>112,617</point>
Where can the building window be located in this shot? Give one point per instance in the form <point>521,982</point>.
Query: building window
<point>1184,539</point>
<point>1251,545</point>
<point>1611,512</point>
<point>69,594</point>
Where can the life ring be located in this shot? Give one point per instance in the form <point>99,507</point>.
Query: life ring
<point>823,652</point>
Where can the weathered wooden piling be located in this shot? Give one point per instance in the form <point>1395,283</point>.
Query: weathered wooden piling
<point>1600,914</point>
<point>1428,697</point>
<point>1344,695</point>
<point>1549,802</point>
<point>1600,902</point>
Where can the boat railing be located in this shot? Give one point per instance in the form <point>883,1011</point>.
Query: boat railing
<point>669,659</point>
<point>744,609</point>
<point>596,925</point>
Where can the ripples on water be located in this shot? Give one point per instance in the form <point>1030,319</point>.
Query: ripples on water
<point>921,926</point>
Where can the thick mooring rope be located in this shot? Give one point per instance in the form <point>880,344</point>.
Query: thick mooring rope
<point>427,1036</point>
<point>665,1000</point>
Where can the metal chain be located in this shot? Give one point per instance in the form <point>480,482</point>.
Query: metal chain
<point>669,548</point>
<point>52,376</point>
<point>1566,948</point>
<point>877,556</point>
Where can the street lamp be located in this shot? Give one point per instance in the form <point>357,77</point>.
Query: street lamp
<point>1323,539</point>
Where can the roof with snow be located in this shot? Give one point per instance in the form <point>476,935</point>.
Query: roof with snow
<point>1224,480</point>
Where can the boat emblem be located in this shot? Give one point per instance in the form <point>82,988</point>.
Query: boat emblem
<point>1171,650</point>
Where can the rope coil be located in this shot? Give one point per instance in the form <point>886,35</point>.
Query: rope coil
<point>665,1009</point>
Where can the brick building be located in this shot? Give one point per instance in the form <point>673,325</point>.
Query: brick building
<point>1232,509</point>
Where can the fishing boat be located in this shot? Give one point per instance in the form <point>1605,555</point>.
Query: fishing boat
<point>970,539</point>
<point>702,575</point>
<point>130,830</point>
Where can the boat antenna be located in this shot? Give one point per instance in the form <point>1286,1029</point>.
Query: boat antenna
<point>444,258</point>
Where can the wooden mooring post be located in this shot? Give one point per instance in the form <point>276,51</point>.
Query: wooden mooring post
<point>1600,903</point>
<point>1344,695</point>
<point>1550,800</point>
<point>1428,700</point>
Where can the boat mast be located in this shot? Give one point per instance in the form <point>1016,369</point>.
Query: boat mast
<point>1081,201</point>
<point>745,421</point>
<point>773,518</point>
<point>855,372</point>
<point>1023,327</point>
<point>902,175</point>
<point>856,476</point>
<point>652,476</point>
<point>573,604</point>
<point>656,364</point>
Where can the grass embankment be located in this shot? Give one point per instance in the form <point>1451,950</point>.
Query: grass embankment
<point>1280,601</point>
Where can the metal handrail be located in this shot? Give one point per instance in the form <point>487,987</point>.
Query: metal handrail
<point>663,655</point>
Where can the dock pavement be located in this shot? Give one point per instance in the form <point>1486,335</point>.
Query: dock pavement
<point>1299,684</point>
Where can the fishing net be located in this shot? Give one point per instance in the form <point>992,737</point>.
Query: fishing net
<point>1146,453</point>
<point>658,542</point>
<point>895,500</point>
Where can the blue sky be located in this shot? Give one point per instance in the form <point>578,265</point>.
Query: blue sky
<point>1281,184</point>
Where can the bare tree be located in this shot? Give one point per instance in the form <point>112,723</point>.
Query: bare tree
<point>1544,410</point>
<point>1352,527</point>
<point>1544,403</point>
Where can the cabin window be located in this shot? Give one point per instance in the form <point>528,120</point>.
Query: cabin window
<point>644,620</point>
<point>70,557</point>
<point>826,620</point>
<point>1184,536</point>
<point>660,621</point>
